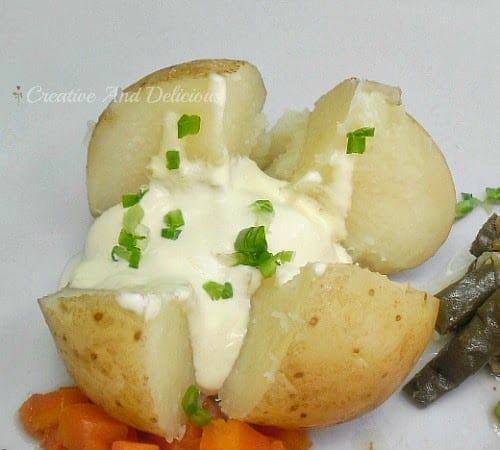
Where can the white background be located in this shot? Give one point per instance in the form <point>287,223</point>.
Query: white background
<point>444,55</point>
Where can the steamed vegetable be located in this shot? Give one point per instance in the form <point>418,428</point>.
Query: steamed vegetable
<point>459,301</point>
<point>488,238</point>
<point>76,424</point>
<point>467,352</point>
<point>471,305</point>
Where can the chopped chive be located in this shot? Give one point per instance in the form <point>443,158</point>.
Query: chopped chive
<point>190,404</point>
<point>284,256</point>
<point>267,267</point>
<point>251,250</point>
<point>188,125</point>
<point>218,291</point>
<point>133,217</point>
<point>264,211</point>
<point>131,255</point>
<point>466,205</point>
<point>170,233</point>
<point>262,206</point>
<point>173,159</point>
<point>118,252</point>
<point>126,239</point>
<point>356,140</point>
<point>129,200</point>
<point>497,410</point>
<point>493,194</point>
<point>174,220</point>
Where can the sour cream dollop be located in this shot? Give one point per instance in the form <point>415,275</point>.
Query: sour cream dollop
<point>216,205</point>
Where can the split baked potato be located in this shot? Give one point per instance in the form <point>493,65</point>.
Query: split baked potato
<point>328,345</point>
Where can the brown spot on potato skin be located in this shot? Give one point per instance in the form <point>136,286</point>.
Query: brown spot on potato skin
<point>303,415</point>
<point>64,338</point>
<point>398,317</point>
<point>294,407</point>
<point>385,374</point>
<point>118,403</point>
<point>371,292</point>
<point>137,335</point>
<point>98,316</point>
<point>425,297</point>
<point>355,350</point>
<point>298,374</point>
<point>313,321</point>
<point>153,419</point>
<point>93,356</point>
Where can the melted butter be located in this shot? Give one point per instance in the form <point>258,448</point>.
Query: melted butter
<point>215,205</point>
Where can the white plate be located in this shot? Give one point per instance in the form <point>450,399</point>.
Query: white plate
<point>443,54</point>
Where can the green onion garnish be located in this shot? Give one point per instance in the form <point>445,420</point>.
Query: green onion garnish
<point>190,404</point>
<point>497,410</point>
<point>262,206</point>
<point>129,241</point>
<point>174,221</point>
<point>284,257</point>
<point>133,217</point>
<point>493,195</point>
<point>188,125</point>
<point>173,159</point>
<point>264,211</point>
<point>251,250</point>
<point>129,200</point>
<point>466,205</point>
<point>132,255</point>
<point>218,291</point>
<point>356,140</point>
<point>126,239</point>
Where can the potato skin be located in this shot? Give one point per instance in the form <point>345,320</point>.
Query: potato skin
<point>326,348</point>
<point>136,369</point>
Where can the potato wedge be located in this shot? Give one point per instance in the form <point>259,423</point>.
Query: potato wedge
<point>402,189</point>
<point>130,130</point>
<point>135,366</point>
<point>326,347</point>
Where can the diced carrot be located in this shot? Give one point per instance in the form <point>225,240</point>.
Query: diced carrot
<point>42,411</point>
<point>84,424</point>
<point>293,439</point>
<point>190,440</point>
<point>127,445</point>
<point>149,438</point>
<point>96,445</point>
<point>49,440</point>
<point>234,435</point>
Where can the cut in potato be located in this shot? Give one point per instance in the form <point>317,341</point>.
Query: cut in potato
<point>135,366</point>
<point>326,347</point>
<point>403,197</point>
<point>228,95</point>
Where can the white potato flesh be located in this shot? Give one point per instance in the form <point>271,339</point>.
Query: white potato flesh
<point>329,345</point>
<point>137,368</point>
<point>228,96</point>
<point>403,196</point>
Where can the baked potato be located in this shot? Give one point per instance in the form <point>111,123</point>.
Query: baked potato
<point>326,346</point>
<point>402,189</point>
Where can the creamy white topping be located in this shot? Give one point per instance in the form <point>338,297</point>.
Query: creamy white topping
<point>215,205</point>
